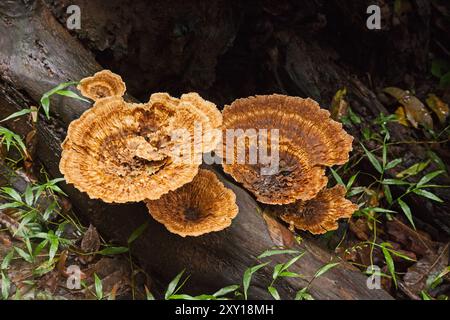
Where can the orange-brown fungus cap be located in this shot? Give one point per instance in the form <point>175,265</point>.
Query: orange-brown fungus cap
<point>120,152</point>
<point>202,206</point>
<point>205,112</point>
<point>320,214</point>
<point>103,84</point>
<point>309,140</point>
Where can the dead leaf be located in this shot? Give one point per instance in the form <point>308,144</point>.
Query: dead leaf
<point>439,107</point>
<point>409,238</point>
<point>415,110</point>
<point>360,229</point>
<point>429,266</point>
<point>339,106</point>
<point>90,243</point>
<point>279,234</point>
<point>401,116</point>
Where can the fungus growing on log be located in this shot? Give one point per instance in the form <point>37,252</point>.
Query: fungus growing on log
<point>309,140</point>
<point>121,152</point>
<point>202,206</point>
<point>320,214</point>
<point>103,84</point>
<point>210,118</point>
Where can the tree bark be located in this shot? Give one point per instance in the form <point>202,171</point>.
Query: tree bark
<point>37,54</point>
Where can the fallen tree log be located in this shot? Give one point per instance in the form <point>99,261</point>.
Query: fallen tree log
<point>34,62</point>
<point>266,54</point>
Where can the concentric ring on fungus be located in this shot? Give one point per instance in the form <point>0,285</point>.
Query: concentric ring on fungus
<point>103,84</point>
<point>320,214</point>
<point>309,140</point>
<point>121,152</point>
<point>201,206</point>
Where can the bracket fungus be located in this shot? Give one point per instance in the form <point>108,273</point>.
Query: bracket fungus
<point>309,140</point>
<point>120,152</point>
<point>201,206</point>
<point>320,214</point>
<point>103,84</point>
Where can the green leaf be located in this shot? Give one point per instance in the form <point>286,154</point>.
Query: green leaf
<point>303,295</point>
<point>98,287</point>
<point>248,276</point>
<point>337,177</point>
<point>387,193</point>
<point>274,292</point>
<point>427,194</point>
<point>12,193</point>
<point>71,94</point>
<point>173,285</point>
<point>355,191</point>
<point>182,297</point>
<point>27,257</point>
<point>45,99</point>
<point>7,259</point>
<point>428,177</point>
<point>45,103</point>
<point>292,261</point>
<point>378,209</point>
<point>276,270</point>
<point>137,233</point>
<point>407,211</point>
<point>17,114</point>
<point>394,182</point>
<point>288,274</point>
<point>6,284</point>
<point>325,268</point>
<point>10,205</point>
<point>351,181</point>
<point>375,163</point>
<point>54,244</point>
<point>226,290</point>
<point>425,295</point>
<point>413,170</point>
<point>113,250</point>
<point>269,253</point>
<point>29,197</point>
<point>393,163</point>
<point>389,263</point>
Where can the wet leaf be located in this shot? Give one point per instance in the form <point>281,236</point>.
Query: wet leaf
<point>439,107</point>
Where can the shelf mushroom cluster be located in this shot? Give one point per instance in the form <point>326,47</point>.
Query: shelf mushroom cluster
<point>119,151</point>
<point>308,142</point>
